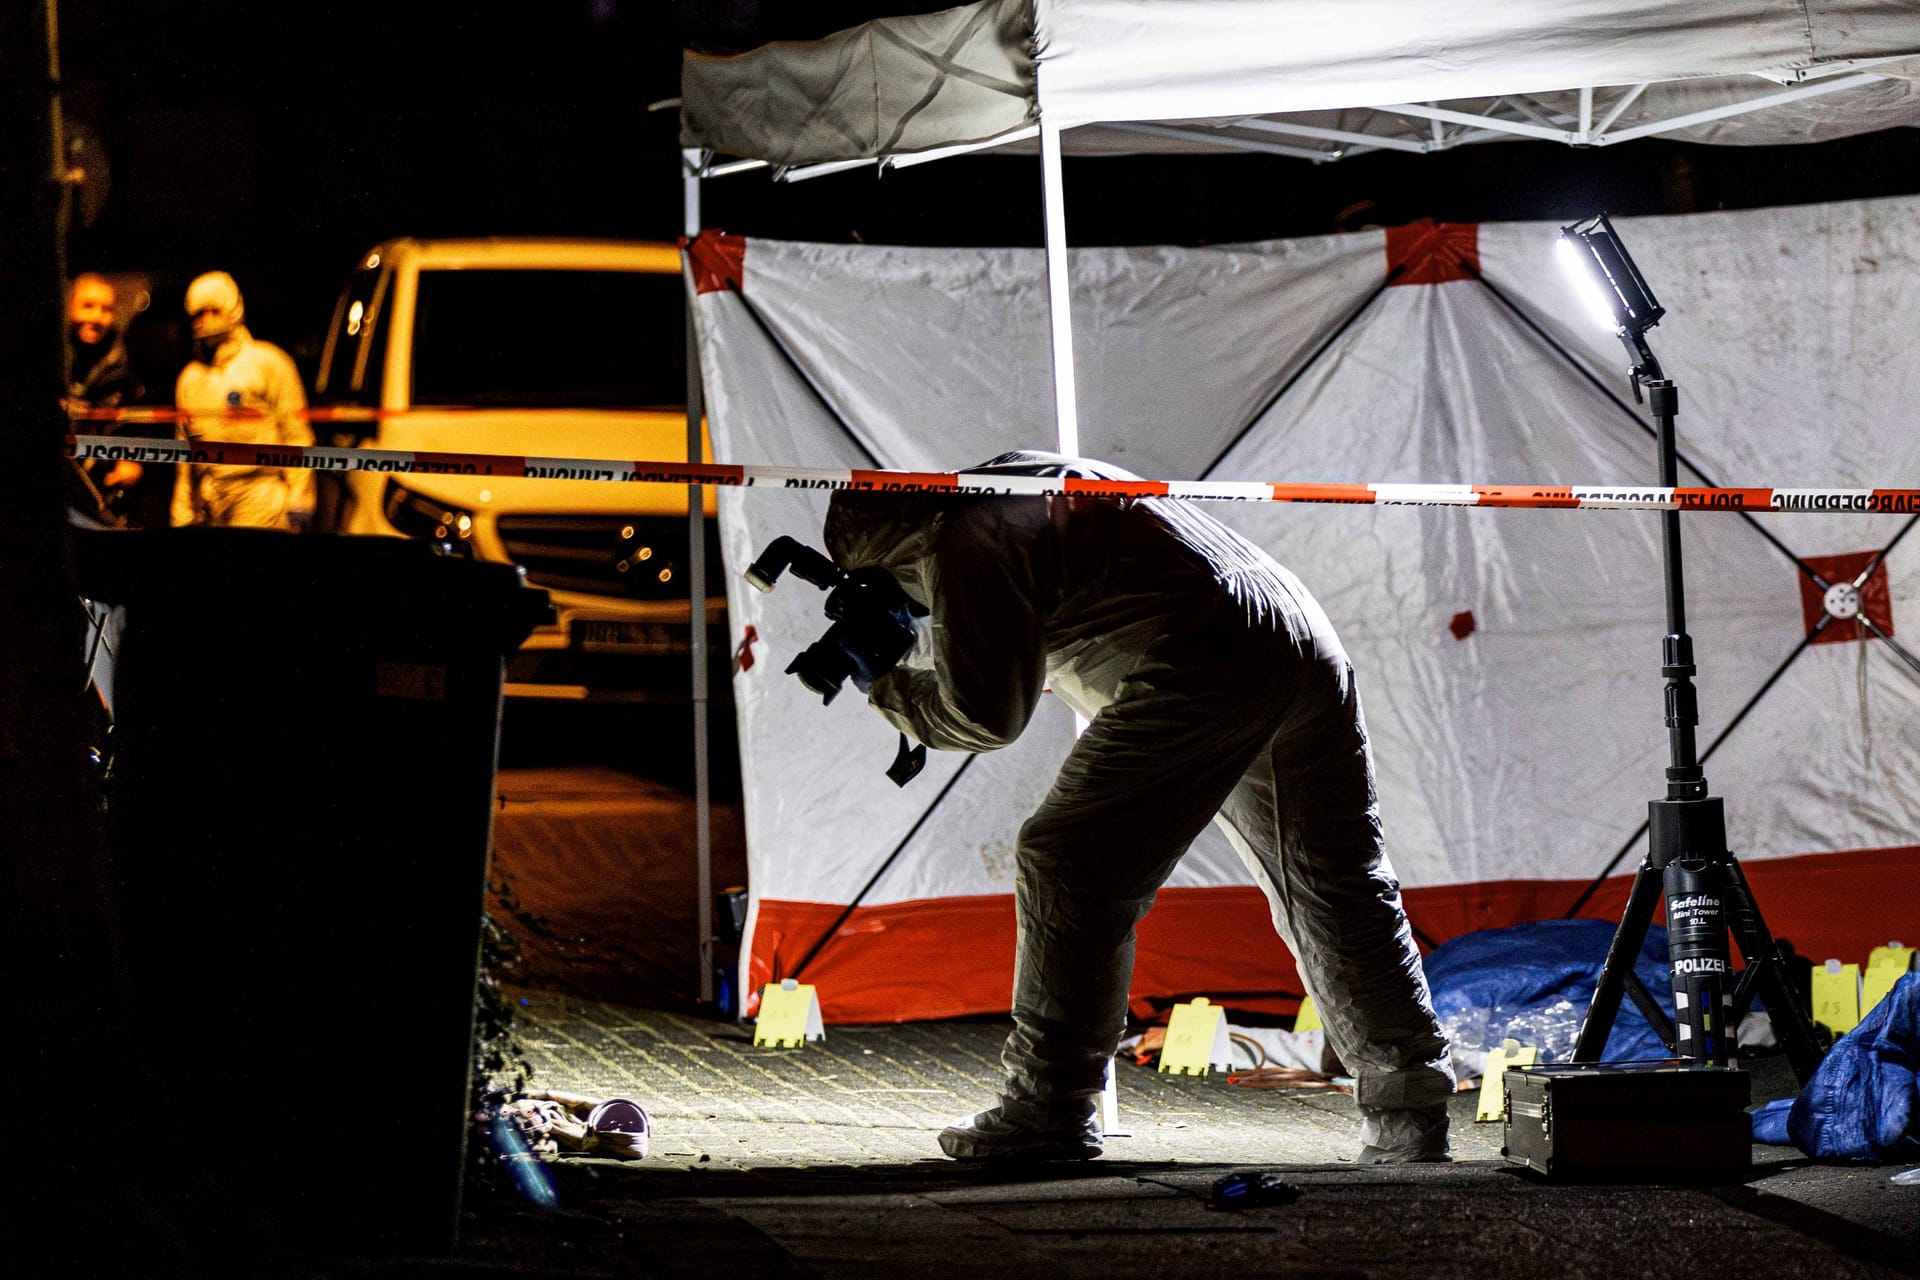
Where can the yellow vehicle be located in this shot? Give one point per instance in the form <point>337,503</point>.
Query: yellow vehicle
<point>546,348</point>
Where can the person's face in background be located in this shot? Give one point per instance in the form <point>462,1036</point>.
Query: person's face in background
<point>210,323</point>
<point>90,310</point>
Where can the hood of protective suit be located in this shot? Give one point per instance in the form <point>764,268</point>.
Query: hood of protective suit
<point>218,295</point>
<point>888,530</point>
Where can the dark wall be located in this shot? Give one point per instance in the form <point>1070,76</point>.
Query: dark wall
<point>278,142</point>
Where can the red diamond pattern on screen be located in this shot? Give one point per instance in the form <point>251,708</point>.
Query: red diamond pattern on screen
<point>1876,601</point>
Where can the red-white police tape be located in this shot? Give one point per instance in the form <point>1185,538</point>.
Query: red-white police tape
<point>623,471</point>
<point>245,414</point>
<point>237,415</point>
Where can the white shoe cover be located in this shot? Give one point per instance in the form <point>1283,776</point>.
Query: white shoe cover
<point>1022,1132</point>
<point>1410,1136</point>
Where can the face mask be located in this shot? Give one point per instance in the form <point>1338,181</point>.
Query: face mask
<point>213,300</point>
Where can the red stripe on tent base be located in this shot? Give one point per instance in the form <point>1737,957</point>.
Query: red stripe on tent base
<point>1824,904</point>
<point>951,957</point>
<point>1429,252</point>
<point>719,261</point>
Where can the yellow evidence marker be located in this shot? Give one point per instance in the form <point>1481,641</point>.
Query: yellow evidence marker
<point>1885,966</point>
<point>1836,996</point>
<point>789,1016</point>
<point>1493,1094</point>
<point>1196,1039</point>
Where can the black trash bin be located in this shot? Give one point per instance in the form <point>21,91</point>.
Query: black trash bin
<point>300,806</point>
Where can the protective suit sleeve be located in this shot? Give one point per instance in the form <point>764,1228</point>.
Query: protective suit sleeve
<point>987,587</point>
<point>290,405</point>
<point>180,510</point>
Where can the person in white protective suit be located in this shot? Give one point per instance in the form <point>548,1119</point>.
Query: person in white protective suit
<point>1215,689</point>
<point>238,389</point>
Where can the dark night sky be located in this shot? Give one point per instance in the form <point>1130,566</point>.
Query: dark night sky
<point>278,142</point>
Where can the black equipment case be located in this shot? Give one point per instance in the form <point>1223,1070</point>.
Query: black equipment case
<point>1631,1121</point>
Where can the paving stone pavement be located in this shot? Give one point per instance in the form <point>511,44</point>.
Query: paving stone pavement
<point>821,1161</point>
<point>877,1094</point>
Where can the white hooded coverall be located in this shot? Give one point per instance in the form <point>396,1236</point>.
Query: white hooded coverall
<point>1215,689</point>
<point>247,392</point>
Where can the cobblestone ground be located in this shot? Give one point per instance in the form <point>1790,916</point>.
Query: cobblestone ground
<point>881,1094</point>
<point>821,1161</point>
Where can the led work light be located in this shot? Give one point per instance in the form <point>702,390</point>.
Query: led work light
<point>1615,291</point>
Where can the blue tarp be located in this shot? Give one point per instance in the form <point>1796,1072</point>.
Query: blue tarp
<point>1860,1104</point>
<point>1534,982</point>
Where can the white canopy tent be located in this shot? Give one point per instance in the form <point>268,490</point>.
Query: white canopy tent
<point>1320,79</point>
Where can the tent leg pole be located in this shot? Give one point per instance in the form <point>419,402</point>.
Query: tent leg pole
<point>1066,412</point>
<point>697,611</point>
<point>1066,399</point>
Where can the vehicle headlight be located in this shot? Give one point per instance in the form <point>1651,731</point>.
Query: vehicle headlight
<point>418,516</point>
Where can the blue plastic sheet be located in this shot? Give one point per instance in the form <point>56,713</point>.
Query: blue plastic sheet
<point>1770,1123</point>
<point>1861,1103</point>
<point>1534,981</point>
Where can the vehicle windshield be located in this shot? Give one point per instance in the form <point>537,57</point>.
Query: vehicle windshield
<point>549,339</point>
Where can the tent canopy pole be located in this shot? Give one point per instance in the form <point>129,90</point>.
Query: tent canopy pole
<point>1066,411</point>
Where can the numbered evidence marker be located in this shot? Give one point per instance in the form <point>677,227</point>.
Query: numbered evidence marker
<point>1308,1019</point>
<point>1836,996</point>
<point>1196,1039</point>
<point>1493,1094</point>
<point>789,1015</point>
<point>1884,968</point>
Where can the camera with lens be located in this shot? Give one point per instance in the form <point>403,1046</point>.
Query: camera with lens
<point>872,630</point>
<point>872,617</point>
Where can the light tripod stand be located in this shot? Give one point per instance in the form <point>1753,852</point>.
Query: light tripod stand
<point>1707,896</point>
